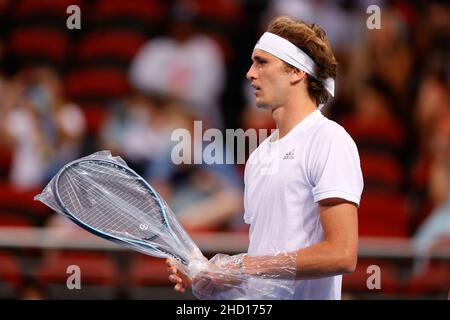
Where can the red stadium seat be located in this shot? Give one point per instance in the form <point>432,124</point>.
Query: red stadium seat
<point>118,44</point>
<point>147,271</point>
<point>392,278</point>
<point>145,10</point>
<point>39,44</point>
<point>106,83</point>
<point>420,187</point>
<point>384,215</point>
<point>388,131</point>
<point>380,142</point>
<point>11,279</point>
<point>11,219</point>
<point>14,221</point>
<point>31,8</point>
<point>99,275</point>
<point>382,169</point>
<point>12,199</point>
<point>148,279</point>
<point>4,5</point>
<point>224,11</point>
<point>421,172</point>
<point>95,115</point>
<point>96,268</point>
<point>433,281</point>
<point>6,158</point>
<point>10,268</point>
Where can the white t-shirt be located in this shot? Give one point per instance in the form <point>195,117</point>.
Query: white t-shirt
<point>285,179</point>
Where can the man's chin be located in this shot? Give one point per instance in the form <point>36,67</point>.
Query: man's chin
<point>263,105</point>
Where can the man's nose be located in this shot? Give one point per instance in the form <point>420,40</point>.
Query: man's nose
<point>251,73</point>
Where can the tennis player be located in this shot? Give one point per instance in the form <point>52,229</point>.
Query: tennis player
<point>302,185</point>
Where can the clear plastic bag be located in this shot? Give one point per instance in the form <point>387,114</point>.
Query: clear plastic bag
<point>118,204</point>
<point>256,278</point>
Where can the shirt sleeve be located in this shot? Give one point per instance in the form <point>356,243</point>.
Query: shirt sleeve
<point>334,169</point>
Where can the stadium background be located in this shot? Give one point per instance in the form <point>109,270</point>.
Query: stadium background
<point>67,93</point>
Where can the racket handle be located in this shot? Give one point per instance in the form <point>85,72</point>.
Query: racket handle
<point>195,267</point>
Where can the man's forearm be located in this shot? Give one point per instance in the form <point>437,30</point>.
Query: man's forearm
<point>317,261</point>
<point>281,266</point>
<point>324,260</point>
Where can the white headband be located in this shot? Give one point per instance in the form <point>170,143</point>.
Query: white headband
<point>288,52</point>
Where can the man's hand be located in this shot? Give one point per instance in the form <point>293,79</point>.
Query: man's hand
<point>177,277</point>
<point>222,278</point>
<point>221,274</point>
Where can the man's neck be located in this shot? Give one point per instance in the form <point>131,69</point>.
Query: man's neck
<point>289,115</point>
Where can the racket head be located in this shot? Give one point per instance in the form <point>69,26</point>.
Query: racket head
<point>115,203</point>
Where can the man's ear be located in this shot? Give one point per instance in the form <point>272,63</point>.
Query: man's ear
<point>297,75</point>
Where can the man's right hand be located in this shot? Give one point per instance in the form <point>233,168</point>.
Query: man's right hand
<point>177,277</point>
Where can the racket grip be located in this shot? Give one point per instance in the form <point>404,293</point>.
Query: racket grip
<point>195,266</point>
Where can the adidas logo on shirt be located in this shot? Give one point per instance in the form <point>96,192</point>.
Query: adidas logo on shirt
<point>289,155</point>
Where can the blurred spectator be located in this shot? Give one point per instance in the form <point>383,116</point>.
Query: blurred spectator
<point>63,121</point>
<point>44,130</point>
<point>207,197</point>
<point>383,53</point>
<point>5,142</point>
<point>139,129</point>
<point>380,136</point>
<point>202,196</point>
<point>432,103</point>
<point>436,227</point>
<point>341,26</point>
<point>186,63</point>
<point>131,130</point>
<point>22,131</point>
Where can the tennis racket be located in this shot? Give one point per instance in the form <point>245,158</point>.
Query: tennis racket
<point>110,200</point>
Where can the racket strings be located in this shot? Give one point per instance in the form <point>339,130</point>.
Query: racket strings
<point>115,207</point>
